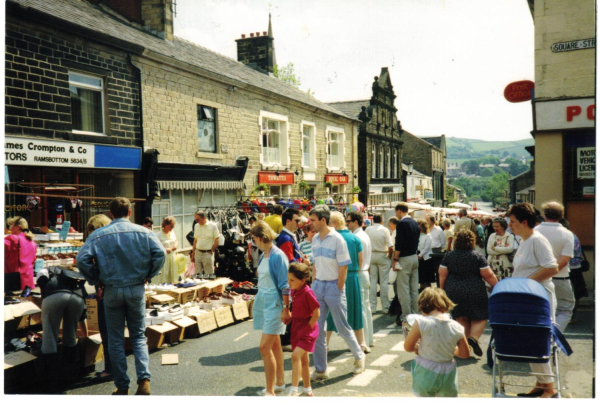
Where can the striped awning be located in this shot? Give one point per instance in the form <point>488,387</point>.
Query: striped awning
<point>200,185</point>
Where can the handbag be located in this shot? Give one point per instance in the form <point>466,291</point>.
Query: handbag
<point>511,256</point>
<point>585,264</point>
<point>190,237</point>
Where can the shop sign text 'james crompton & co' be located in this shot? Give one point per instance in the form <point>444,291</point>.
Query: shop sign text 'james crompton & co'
<point>20,151</point>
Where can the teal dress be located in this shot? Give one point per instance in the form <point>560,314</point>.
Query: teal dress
<point>353,295</point>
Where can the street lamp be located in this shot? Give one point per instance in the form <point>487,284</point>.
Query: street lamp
<point>410,167</point>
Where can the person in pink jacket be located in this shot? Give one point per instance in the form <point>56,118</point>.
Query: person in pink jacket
<point>19,256</point>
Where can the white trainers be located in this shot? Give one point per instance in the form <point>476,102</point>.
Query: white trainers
<point>289,392</point>
<point>278,389</point>
<point>365,349</point>
<point>315,376</point>
<point>359,365</point>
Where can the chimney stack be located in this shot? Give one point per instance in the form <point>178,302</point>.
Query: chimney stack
<point>258,52</point>
<point>157,17</point>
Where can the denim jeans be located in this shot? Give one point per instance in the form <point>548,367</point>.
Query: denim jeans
<point>104,336</point>
<point>333,301</point>
<point>120,305</point>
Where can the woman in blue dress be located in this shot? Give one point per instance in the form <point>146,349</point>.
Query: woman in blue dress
<point>271,306</point>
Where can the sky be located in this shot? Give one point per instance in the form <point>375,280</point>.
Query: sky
<point>449,61</point>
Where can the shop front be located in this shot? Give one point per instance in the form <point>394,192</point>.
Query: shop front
<point>183,189</point>
<point>339,184</point>
<point>565,153</point>
<point>279,183</point>
<point>49,182</point>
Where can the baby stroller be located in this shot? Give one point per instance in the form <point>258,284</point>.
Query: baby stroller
<point>522,330</point>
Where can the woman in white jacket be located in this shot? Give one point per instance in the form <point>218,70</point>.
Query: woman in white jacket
<point>426,271</point>
<point>499,247</point>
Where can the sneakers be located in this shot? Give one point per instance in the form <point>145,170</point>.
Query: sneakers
<point>290,392</point>
<point>316,376</point>
<point>164,307</point>
<point>118,391</point>
<point>143,387</point>
<point>365,349</point>
<point>359,365</point>
<point>176,308</point>
<point>278,389</point>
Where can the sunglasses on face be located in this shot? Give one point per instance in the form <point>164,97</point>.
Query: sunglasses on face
<point>349,221</point>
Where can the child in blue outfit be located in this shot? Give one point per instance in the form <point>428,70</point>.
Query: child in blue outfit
<point>436,339</point>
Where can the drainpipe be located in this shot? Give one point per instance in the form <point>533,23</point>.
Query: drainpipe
<point>142,186</point>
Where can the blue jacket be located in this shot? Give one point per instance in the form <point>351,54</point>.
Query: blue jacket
<point>278,268</point>
<point>285,237</point>
<point>121,254</point>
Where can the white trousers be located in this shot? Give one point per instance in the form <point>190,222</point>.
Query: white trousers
<point>365,289</point>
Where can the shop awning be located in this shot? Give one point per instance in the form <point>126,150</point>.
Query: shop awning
<point>200,185</point>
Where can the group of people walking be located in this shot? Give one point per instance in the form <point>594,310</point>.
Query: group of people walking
<point>324,278</point>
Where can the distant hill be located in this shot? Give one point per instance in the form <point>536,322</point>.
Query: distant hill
<point>462,149</point>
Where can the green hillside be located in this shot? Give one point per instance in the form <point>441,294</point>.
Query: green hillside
<point>461,149</point>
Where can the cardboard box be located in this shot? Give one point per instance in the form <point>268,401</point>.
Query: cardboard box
<point>182,295</point>
<point>91,349</point>
<point>159,334</point>
<point>189,327</point>
<point>17,316</point>
<point>250,304</point>
<point>206,322</point>
<point>92,314</point>
<point>240,311</point>
<point>223,316</point>
<point>160,298</point>
<point>17,358</point>
<point>35,319</point>
<point>216,286</point>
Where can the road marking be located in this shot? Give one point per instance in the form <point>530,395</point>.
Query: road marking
<point>342,358</point>
<point>349,390</point>
<point>364,378</point>
<point>384,360</point>
<point>382,332</point>
<point>399,347</point>
<point>240,337</point>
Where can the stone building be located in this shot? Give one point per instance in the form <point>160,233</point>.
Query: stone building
<point>210,128</point>
<point>72,111</point>
<point>564,110</point>
<point>521,188</point>
<point>428,155</point>
<point>379,142</point>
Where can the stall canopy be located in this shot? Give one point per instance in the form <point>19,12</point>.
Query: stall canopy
<point>180,176</point>
<point>460,205</point>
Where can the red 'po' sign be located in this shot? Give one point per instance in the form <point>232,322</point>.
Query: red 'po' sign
<point>519,91</point>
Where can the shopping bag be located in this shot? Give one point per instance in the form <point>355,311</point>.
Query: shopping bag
<point>191,271</point>
<point>180,261</point>
<point>392,276</point>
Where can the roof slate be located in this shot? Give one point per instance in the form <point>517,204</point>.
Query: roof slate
<point>86,15</point>
<point>435,141</point>
<point>350,108</point>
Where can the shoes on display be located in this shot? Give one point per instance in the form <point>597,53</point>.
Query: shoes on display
<point>153,313</point>
<point>164,307</point>
<point>175,308</point>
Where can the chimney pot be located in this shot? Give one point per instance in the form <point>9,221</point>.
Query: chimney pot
<point>243,36</point>
<point>252,35</point>
<point>258,34</point>
<point>264,33</point>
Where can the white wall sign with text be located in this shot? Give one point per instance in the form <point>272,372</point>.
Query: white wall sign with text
<point>586,163</point>
<point>23,151</point>
<point>565,114</point>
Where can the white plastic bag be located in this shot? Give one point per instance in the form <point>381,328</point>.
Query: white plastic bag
<point>392,276</point>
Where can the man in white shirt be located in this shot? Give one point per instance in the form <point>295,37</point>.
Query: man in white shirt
<point>563,245</point>
<point>354,222</point>
<point>379,266</point>
<point>331,267</point>
<point>206,241</point>
<point>438,245</point>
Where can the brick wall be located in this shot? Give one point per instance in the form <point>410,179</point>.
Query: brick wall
<point>569,73</point>
<point>170,104</point>
<point>37,96</point>
<point>158,15</point>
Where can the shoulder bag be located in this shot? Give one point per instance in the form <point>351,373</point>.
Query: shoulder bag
<point>585,264</point>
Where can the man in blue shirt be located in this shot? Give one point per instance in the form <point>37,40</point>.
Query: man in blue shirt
<point>123,256</point>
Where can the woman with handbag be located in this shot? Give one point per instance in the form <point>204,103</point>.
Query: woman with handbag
<point>19,257</point>
<point>500,248</point>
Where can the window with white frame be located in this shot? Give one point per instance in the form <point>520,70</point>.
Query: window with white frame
<point>335,147</point>
<point>87,103</point>
<point>308,145</point>
<point>207,140</point>
<point>274,139</point>
<point>373,161</point>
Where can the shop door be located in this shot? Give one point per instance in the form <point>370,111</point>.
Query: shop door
<point>160,210</point>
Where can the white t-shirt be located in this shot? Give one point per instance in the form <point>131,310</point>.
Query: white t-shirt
<point>330,254</point>
<point>380,238</point>
<point>438,239</point>
<point>366,245</point>
<point>561,240</point>
<point>534,254</point>
<point>206,235</point>
<point>439,337</point>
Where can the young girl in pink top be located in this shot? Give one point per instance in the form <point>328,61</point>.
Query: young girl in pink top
<point>304,326</point>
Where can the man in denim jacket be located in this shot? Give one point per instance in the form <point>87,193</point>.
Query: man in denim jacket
<point>123,256</point>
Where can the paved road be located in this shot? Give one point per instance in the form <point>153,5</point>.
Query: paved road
<point>227,362</point>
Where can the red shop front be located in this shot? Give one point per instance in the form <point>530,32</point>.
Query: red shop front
<point>280,183</point>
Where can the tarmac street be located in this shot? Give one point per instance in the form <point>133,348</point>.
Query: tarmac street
<point>227,362</point>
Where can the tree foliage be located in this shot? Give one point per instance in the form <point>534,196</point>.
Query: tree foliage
<point>288,75</point>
